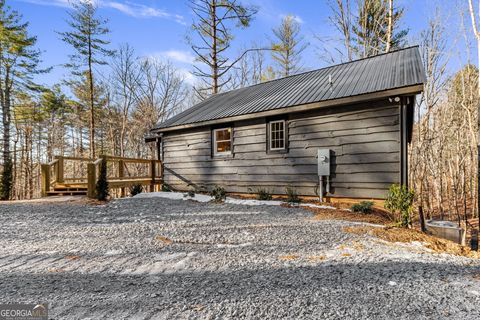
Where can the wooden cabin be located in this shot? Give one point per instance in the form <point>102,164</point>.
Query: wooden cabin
<point>350,122</point>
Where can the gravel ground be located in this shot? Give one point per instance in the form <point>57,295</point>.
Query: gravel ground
<point>170,259</point>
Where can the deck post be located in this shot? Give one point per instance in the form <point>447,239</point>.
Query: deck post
<point>91,177</point>
<point>121,174</point>
<point>60,169</point>
<point>45,179</point>
<point>152,175</point>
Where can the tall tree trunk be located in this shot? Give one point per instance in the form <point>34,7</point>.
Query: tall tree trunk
<point>390,25</point>
<point>92,101</point>
<point>214,47</point>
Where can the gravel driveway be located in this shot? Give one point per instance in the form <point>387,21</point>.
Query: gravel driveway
<point>173,259</point>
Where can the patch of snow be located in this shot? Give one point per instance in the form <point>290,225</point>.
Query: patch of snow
<point>253,202</point>
<point>311,205</point>
<point>206,198</point>
<point>174,196</point>
<point>113,252</point>
<point>216,213</point>
<point>474,292</point>
<point>392,283</point>
<point>246,244</point>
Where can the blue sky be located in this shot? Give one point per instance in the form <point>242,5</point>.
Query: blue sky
<point>158,27</point>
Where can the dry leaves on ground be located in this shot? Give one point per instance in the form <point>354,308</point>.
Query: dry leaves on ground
<point>393,234</point>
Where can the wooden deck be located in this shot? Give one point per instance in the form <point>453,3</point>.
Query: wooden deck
<point>78,176</point>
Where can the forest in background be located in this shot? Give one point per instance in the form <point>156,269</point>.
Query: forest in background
<point>90,113</point>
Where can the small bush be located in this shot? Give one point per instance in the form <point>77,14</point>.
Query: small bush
<point>263,194</point>
<point>191,193</point>
<point>166,188</point>
<point>6,183</point>
<point>363,207</point>
<point>219,194</point>
<point>292,196</point>
<point>400,202</point>
<point>102,191</point>
<point>136,189</point>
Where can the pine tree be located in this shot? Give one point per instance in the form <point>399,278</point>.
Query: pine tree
<point>376,26</point>
<point>212,27</point>
<point>102,189</point>
<point>19,62</point>
<point>288,47</point>
<point>86,38</point>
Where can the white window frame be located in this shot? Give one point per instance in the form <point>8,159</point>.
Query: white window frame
<point>270,136</point>
<point>225,153</point>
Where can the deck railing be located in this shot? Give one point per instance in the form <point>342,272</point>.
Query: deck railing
<point>83,172</point>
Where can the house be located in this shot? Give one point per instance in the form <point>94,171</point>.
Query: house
<point>351,123</point>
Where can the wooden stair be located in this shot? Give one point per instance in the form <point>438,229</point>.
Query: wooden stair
<point>76,189</point>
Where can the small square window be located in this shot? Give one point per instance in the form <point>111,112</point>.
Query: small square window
<point>277,135</point>
<point>222,142</point>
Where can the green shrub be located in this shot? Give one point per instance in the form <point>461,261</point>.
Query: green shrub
<point>292,196</point>
<point>363,207</point>
<point>400,202</point>
<point>191,193</point>
<point>166,188</point>
<point>136,189</point>
<point>6,182</point>
<point>263,194</point>
<point>219,194</point>
<point>101,189</point>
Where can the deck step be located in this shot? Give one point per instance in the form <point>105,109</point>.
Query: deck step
<point>66,193</point>
<point>65,189</point>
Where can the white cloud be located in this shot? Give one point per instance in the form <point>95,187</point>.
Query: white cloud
<point>132,9</point>
<point>297,19</point>
<point>188,76</point>
<point>178,55</point>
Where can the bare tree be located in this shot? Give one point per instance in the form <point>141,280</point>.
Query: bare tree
<point>341,19</point>
<point>126,77</point>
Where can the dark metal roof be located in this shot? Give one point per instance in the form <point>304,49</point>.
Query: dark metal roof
<point>397,69</point>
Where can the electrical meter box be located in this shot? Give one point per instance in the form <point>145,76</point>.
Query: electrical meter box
<point>323,162</point>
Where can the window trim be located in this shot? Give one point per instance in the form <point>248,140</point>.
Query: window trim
<point>269,135</point>
<point>214,140</point>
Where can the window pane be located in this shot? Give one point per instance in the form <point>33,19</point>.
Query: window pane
<point>222,134</point>
<point>277,135</point>
<point>223,146</point>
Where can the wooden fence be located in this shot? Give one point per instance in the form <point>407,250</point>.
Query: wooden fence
<point>74,173</point>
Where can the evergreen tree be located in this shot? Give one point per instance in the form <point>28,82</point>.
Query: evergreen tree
<point>19,62</point>
<point>102,189</point>
<point>212,27</point>
<point>288,47</point>
<point>86,38</point>
<point>375,29</point>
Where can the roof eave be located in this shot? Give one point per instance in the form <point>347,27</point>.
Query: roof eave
<point>408,90</point>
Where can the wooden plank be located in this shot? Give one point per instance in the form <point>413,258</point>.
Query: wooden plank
<point>344,125</point>
<point>344,133</point>
<point>45,168</point>
<point>91,177</point>
<point>361,115</point>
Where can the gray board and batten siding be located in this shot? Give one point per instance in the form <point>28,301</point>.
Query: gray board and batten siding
<point>364,115</point>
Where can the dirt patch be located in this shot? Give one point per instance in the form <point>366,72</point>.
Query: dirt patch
<point>164,239</point>
<point>376,217</point>
<point>393,234</point>
<point>289,257</point>
<point>72,257</point>
<point>316,258</point>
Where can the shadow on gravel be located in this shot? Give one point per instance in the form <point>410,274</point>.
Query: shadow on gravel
<point>362,289</point>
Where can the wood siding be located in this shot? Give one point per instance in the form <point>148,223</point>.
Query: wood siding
<point>364,139</point>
